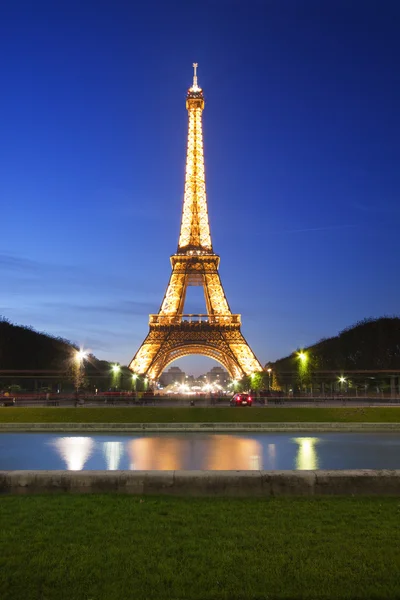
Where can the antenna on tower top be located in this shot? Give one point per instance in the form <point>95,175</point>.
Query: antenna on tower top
<point>195,86</point>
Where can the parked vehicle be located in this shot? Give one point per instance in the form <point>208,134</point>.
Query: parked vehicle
<point>241,400</point>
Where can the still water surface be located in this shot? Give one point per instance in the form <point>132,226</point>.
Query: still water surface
<point>200,451</point>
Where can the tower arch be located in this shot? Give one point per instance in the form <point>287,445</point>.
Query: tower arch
<point>191,349</point>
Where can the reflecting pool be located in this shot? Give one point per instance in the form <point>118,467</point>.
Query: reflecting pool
<point>268,451</point>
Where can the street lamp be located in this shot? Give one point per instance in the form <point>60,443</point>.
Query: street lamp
<point>115,377</point>
<point>302,357</point>
<point>80,356</point>
<point>78,370</point>
<point>269,371</point>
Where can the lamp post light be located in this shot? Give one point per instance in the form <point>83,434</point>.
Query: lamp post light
<point>79,371</point>
<point>254,383</point>
<point>115,376</point>
<point>269,371</point>
<point>80,356</point>
<point>303,360</point>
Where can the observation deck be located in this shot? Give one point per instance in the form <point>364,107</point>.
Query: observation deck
<point>194,321</point>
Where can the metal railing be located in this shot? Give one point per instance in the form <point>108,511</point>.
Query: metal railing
<point>132,399</point>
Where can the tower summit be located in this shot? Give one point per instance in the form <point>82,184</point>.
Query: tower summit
<point>172,333</point>
<point>195,230</point>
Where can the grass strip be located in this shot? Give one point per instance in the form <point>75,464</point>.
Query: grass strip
<point>108,547</point>
<point>201,415</point>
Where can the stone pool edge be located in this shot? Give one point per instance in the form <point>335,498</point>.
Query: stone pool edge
<point>198,427</point>
<point>360,482</point>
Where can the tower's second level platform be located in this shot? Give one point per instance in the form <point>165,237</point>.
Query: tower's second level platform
<point>195,321</point>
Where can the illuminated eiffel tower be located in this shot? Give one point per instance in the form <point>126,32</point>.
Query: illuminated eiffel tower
<point>174,334</point>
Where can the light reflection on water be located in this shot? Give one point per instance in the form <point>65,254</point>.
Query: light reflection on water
<point>250,451</point>
<point>74,450</point>
<point>113,452</point>
<point>271,456</point>
<point>306,457</point>
<point>215,452</point>
<point>162,453</point>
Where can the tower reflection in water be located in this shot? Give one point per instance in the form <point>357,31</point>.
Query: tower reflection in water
<point>74,450</point>
<point>307,457</point>
<point>113,452</point>
<point>214,452</point>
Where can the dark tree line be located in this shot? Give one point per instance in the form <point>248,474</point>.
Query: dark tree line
<point>371,344</point>
<point>24,348</point>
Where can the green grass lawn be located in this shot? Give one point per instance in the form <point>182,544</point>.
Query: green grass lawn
<point>111,547</point>
<point>199,415</point>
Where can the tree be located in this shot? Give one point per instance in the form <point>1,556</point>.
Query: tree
<point>259,380</point>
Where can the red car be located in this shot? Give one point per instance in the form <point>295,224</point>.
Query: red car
<point>242,400</point>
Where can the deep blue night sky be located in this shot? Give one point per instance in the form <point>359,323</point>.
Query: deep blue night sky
<point>301,137</point>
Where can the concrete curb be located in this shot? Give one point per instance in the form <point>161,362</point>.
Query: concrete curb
<point>198,427</point>
<point>205,483</point>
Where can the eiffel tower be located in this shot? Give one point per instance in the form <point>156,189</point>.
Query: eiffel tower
<point>172,333</point>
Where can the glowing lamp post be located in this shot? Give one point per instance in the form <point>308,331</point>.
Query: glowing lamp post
<point>115,375</point>
<point>303,361</point>
<point>269,371</point>
<point>79,370</point>
<point>302,357</point>
<point>134,379</point>
<point>80,356</point>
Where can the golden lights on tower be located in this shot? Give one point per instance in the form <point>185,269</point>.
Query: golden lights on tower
<point>195,230</point>
<point>172,333</point>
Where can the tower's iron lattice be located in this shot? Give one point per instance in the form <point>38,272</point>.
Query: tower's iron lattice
<point>172,333</point>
